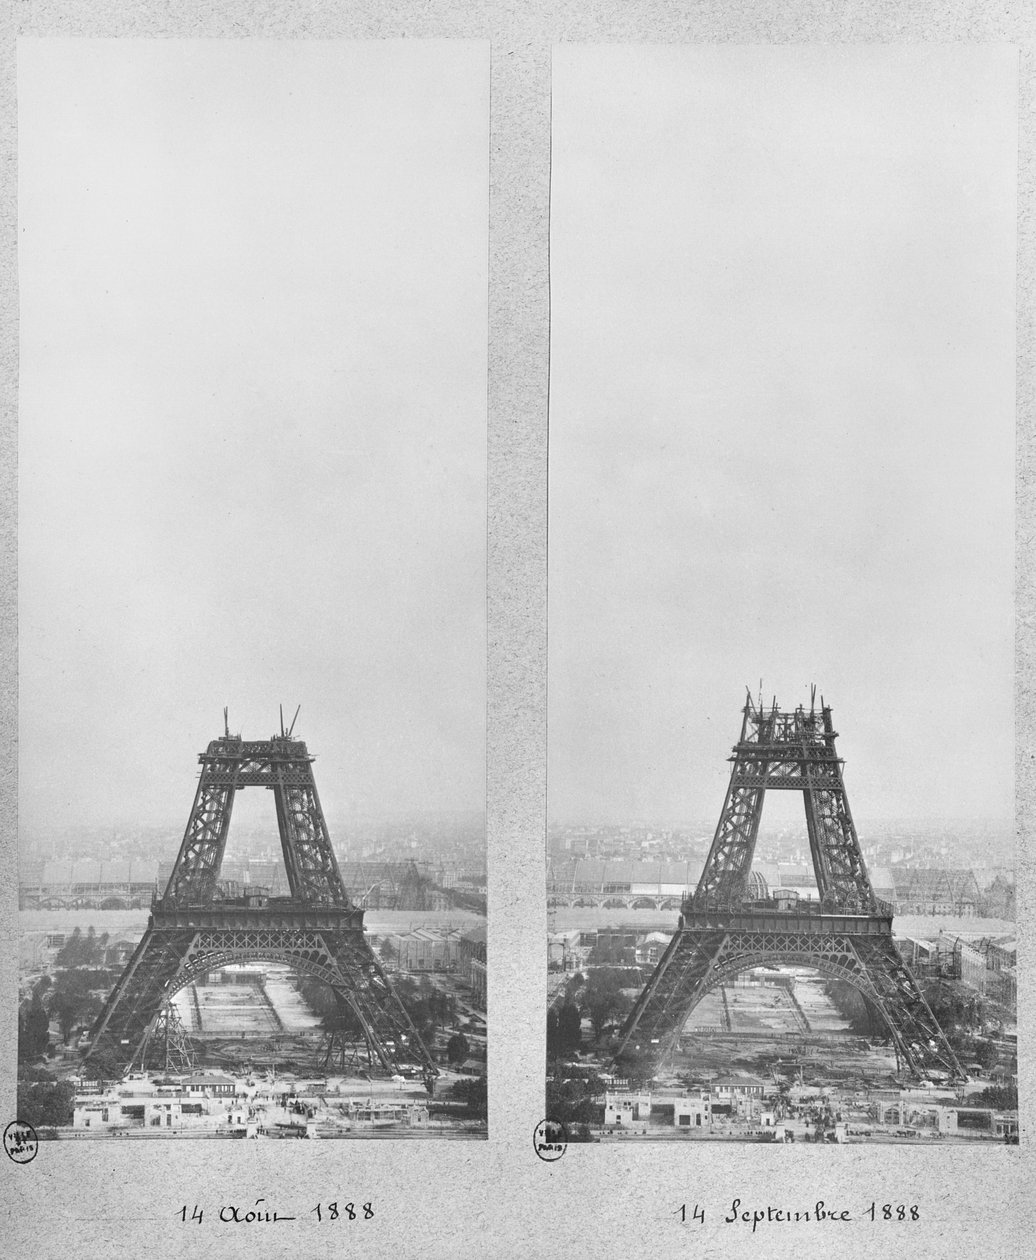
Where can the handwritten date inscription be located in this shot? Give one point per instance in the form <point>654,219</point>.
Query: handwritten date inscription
<point>261,1214</point>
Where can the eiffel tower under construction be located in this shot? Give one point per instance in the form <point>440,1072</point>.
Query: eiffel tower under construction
<point>197,926</point>
<point>845,934</point>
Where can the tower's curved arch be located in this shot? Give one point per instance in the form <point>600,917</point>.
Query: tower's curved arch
<point>829,969</point>
<point>206,962</point>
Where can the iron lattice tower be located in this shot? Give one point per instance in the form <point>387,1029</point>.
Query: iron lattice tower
<point>167,1046</point>
<point>845,934</point>
<point>198,925</point>
<point>343,1044</point>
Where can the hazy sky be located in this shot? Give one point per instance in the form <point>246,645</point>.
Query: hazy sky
<point>253,417</point>
<point>781,441</point>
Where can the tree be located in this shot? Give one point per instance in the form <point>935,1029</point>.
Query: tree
<point>457,1049</point>
<point>474,1093</point>
<point>33,1030</point>
<point>45,1103</point>
<point>82,951</point>
<point>418,1000</point>
<point>70,954</point>
<point>570,1027</point>
<point>1003,1097</point>
<point>572,1102</point>
<point>105,1065</point>
<point>638,1065</point>
<point>447,1007</point>
<point>436,1008</point>
<point>553,1034</point>
<point>71,1002</point>
<point>986,1053</point>
<point>603,997</point>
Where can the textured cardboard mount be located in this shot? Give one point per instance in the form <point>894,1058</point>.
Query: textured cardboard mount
<point>496,1198</point>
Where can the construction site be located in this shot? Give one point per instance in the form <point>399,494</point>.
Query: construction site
<point>262,1018</point>
<point>784,1022</point>
<point>228,1034</point>
<point>247,1013</point>
<point>229,987</point>
<point>768,1015</point>
<point>774,1052</point>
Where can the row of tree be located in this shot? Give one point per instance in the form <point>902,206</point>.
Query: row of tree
<point>564,1030</point>
<point>430,1010</point>
<point>43,1100</point>
<point>572,1102</point>
<point>72,999</point>
<point>964,1018</point>
<point>89,950</point>
<point>601,995</point>
<point>474,1094</point>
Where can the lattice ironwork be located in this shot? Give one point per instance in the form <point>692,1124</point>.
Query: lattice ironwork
<point>195,928</point>
<point>846,934</point>
<point>345,1044</point>
<point>167,1046</point>
<point>791,750</point>
<point>285,767</point>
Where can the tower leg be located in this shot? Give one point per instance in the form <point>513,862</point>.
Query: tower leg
<point>390,1032</point>
<point>166,1045</point>
<point>134,1004</point>
<point>680,981</point>
<point>920,1041</point>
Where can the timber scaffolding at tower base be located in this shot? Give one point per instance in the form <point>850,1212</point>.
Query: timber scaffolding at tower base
<point>196,927</point>
<point>846,934</point>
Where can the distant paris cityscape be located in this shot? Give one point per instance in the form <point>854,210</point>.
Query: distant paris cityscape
<point>962,868</point>
<point>448,851</point>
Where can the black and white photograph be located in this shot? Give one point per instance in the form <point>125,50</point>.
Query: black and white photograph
<point>780,859</point>
<point>517,627</point>
<point>252,550</point>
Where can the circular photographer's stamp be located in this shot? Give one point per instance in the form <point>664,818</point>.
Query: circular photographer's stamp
<point>20,1142</point>
<point>550,1140</point>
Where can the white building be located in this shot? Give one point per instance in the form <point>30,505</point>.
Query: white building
<point>694,1111</point>
<point>626,1109</point>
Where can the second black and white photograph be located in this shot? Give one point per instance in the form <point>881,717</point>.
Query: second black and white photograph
<point>780,861</point>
